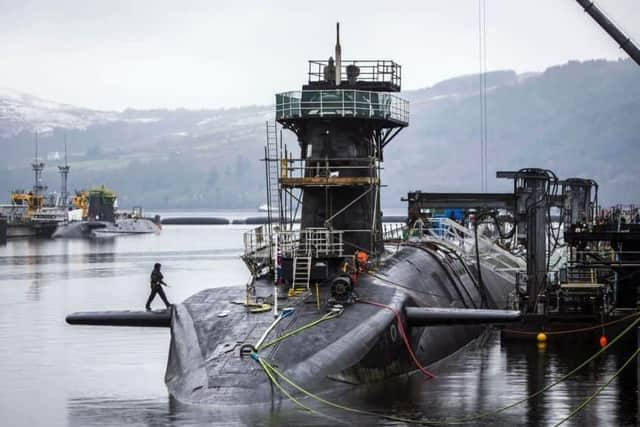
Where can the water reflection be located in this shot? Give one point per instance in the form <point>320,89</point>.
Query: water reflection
<point>54,374</point>
<point>481,379</point>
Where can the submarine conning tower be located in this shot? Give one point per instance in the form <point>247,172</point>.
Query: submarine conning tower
<point>343,118</point>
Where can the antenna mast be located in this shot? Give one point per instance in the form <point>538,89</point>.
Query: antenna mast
<point>338,56</point>
<point>37,166</point>
<point>64,174</point>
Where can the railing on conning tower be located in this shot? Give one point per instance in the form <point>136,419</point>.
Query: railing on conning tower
<point>346,103</point>
<point>378,70</point>
<point>315,242</point>
<point>329,172</point>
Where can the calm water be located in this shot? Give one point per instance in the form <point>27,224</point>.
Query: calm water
<point>54,374</point>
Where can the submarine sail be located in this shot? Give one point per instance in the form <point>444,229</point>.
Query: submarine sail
<point>334,272</point>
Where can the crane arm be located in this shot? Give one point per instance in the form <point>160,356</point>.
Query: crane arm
<point>621,38</point>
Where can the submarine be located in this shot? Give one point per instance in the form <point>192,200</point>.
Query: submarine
<point>332,303</point>
<point>98,217</point>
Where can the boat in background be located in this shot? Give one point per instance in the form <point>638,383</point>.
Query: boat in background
<point>30,215</point>
<point>95,215</point>
<point>263,208</point>
<point>36,213</point>
<point>47,220</point>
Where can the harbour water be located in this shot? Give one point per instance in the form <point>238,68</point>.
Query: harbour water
<point>54,374</point>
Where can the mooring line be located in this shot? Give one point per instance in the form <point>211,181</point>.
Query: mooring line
<point>570,331</point>
<point>589,399</point>
<point>327,316</point>
<point>452,421</point>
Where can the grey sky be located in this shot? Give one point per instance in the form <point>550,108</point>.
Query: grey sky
<point>115,54</point>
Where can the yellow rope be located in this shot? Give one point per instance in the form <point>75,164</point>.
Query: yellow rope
<point>326,402</point>
<point>328,316</point>
<point>275,382</point>
<point>589,399</point>
<point>571,331</point>
<point>452,421</point>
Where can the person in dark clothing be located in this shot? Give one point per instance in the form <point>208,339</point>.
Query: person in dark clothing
<point>156,287</point>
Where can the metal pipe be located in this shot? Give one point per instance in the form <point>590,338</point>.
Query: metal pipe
<point>275,283</point>
<point>338,56</point>
<point>427,316</point>
<point>327,222</point>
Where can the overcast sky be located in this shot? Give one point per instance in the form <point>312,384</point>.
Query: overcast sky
<point>115,54</point>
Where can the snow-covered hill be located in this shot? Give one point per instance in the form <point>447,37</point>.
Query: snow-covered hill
<point>23,112</point>
<point>578,119</point>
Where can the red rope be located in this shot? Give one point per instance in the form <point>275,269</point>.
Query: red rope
<point>403,334</point>
<point>571,331</point>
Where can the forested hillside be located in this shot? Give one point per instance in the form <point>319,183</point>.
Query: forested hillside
<point>580,119</point>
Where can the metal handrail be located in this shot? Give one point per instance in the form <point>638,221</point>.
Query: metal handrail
<point>342,103</point>
<point>501,261</point>
<point>460,238</point>
<point>596,252</point>
<point>394,232</point>
<point>294,168</point>
<point>377,70</point>
<point>315,242</point>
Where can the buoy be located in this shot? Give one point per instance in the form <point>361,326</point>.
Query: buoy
<point>603,341</point>
<point>542,337</point>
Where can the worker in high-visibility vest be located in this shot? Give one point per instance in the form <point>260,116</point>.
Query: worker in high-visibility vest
<point>362,258</point>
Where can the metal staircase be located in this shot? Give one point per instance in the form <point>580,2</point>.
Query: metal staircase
<point>301,273</point>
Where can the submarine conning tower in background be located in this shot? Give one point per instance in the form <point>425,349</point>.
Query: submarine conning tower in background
<point>343,118</point>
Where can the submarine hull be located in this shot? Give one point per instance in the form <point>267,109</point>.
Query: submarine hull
<point>361,346</point>
<point>124,226</point>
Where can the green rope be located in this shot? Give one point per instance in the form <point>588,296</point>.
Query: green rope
<point>589,399</point>
<point>275,382</point>
<point>553,384</point>
<point>326,402</point>
<point>452,421</point>
<point>328,316</point>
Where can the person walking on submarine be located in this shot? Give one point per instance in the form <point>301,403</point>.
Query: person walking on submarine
<point>156,287</point>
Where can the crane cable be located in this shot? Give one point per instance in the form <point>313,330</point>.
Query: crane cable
<point>482,57</point>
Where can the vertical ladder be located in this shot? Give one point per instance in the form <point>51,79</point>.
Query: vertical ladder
<point>301,273</point>
<point>273,174</point>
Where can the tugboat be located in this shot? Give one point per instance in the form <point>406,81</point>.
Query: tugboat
<point>330,304</point>
<point>29,215</point>
<point>18,214</point>
<point>34,213</point>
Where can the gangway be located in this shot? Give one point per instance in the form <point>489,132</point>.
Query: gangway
<point>460,238</point>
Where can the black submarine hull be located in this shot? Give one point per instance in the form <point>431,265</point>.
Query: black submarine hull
<point>363,345</point>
